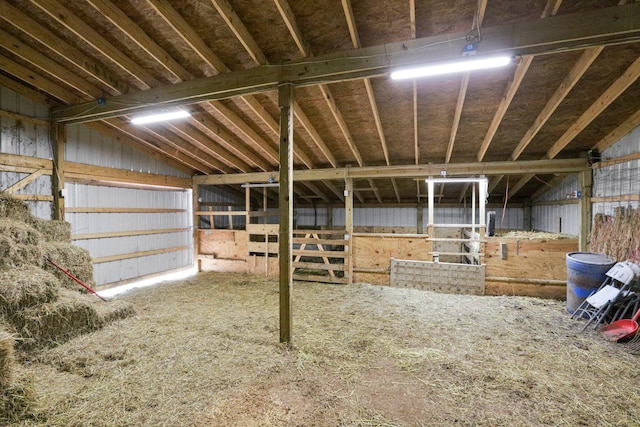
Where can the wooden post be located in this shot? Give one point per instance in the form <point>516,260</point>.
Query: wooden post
<point>348,212</point>
<point>527,215</point>
<point>586,182</point>
<point>247,207</point>
<point>330,217</point>
<point>58,137</point>
<point>285,209</point>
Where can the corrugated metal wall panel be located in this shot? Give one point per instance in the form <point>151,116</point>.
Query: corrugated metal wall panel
<point>84,145</point>
<point>81,195</point>
<point>554,218</point>
<point>25,139</point>
<point>621,179</point>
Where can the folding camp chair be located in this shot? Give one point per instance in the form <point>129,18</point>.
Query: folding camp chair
<point>598,305</point>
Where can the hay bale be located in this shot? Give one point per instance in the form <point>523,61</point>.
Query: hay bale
<point>72,258</point>
<point>114,310</point>
<point>17,255</point>
<point>52,323</point>
<point>7,360</point>
<point>13,208</point>
<point>26,287</point>
<point>52,231</point>
<point>19,232</point>
<point>18,400</point>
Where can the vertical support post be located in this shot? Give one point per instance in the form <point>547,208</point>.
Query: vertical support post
<point>431,202</point>
<point>420,219</point>
<point>285,208</point>
<point>196,224</point>
<point>348,222</point>
<point>473,209</point>
<point>482,203</point>
<point>57,134</point>
<point>329,217</point>
<point>586,183</point>
<point>247,207</point>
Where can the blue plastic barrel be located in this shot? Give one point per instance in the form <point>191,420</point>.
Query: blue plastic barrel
<point>585,273</point>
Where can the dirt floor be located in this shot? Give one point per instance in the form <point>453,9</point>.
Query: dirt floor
<point>205,352</point>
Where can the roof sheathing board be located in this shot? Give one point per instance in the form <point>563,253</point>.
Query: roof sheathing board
<point>602,74</point>
<point>545,75</point>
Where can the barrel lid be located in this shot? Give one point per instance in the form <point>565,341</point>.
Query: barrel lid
<point>591,258</point>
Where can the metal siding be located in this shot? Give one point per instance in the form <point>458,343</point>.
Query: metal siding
<point>81,195</point>
<point>84,145</point>
<point>621,179</point>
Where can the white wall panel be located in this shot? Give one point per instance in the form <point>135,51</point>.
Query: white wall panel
<point>81,195</point>
<point>85,145</point>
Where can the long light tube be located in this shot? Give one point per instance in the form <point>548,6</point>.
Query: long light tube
<point>451,67</point>
<point>160,117</point>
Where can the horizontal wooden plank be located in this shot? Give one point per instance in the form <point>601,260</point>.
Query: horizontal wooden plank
<point>78,172</point>
<point>328,254</point>
<point>525,289</point>
<point>137,254</point>
<point>121,210</point>
<point>319,232</point>
<point>33,197</point>
<point>457,253</point>
<point>220,213</point>
<point>312,241</point>
<point>89,236</point>
<point>318,266</point>
<point>262,247</point>
<point>270,229</point>
<point>322,279</point>
<point>392,235</point>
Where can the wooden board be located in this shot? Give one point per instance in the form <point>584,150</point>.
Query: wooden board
<point>375,252</point>
<point>525,289</point>
<point>530,259</point>
<point>222,265</point>
<point>223,244</point>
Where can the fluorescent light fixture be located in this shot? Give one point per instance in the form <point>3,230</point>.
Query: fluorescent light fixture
<point>160,117</point>
<point>452,67</point>
<point>452,180</point>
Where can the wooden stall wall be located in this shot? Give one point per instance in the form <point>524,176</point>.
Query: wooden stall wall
<point>527,266</point>
<point>372,255</point>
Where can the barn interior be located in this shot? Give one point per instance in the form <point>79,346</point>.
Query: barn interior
<point>349,246</point>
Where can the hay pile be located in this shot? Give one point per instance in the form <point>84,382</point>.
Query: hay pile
<point>40,307</point>
<point>617,236</point>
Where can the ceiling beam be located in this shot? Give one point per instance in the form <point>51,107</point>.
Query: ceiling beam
<point>290,22</point>
<point>410,171</point>
<point>618,24</point>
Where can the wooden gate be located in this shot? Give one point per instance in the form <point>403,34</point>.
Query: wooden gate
<point>320,256</point>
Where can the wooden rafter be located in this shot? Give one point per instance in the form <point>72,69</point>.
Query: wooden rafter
<point>570,80</point>
<point>140,78</point>
<point>514,85</point>
<point>144,146</point>
<point>48,67</point>
<point>240,30</point>
<point>543,36</point>
<point>63,50</point>
<point>630,124</point>
<point>618,87</point>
